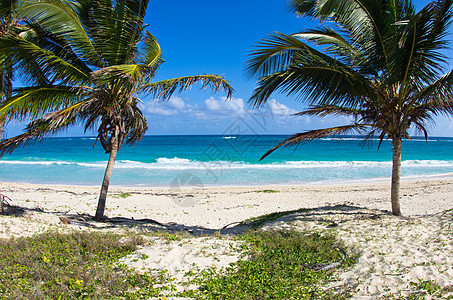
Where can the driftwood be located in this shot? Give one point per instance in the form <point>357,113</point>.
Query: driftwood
<point>327,266</point>
<point>4,202</point>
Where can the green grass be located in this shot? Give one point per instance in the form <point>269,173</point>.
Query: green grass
<point>278,265</point>
<point>258,221</point>
<point>122,195</point>
<point>79,265</point>
<point>267,191</point>
<point>85,265</point>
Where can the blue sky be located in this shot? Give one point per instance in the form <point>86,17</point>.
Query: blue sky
<point>215,37</point>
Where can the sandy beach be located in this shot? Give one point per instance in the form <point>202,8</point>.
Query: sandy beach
<point>394,252</point>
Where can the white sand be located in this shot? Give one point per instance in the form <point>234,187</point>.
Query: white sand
<point>394,251</point>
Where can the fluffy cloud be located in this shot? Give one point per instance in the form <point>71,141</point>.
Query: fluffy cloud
<point>217,109</point>
<point>234,106</point>
<point>176,103</point>
<point>279,109</point>
<point>162,108</point>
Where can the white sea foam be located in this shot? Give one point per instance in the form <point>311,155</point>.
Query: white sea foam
<point>172,161</point>
<point>176,163</point>
<point>31,162</point>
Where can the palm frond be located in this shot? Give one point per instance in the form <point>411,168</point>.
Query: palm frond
<point>315,82</point>
<point>33,102</point>
<point>415,56</point>
<point>439,91</point>
<point>303,7</point>
<point>135,121</point>
<point>317,134</point>
<point>22,51</point>
<point>363,19</point>
<point>51,123</point>
<point>151,53</point>
<point>276,53</point>
<point>335,43</point>
<point>115,27</point>
<point>164,89</point>
<point>109,74</point>
<point>57,44</point>
<point>61,18</point>
<point>326,110</point>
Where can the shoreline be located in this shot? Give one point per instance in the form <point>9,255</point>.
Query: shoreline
<point>433,177</point>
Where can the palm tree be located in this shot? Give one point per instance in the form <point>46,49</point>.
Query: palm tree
<point>378,62</point>
<point>109,60</point>
<point>12,24</point>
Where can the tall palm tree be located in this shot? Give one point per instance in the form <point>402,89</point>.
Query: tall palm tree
<point>12,24</point>
<point>378,62</point>
<point>108,60</point>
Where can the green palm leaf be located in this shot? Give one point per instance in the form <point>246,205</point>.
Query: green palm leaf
<point>61,18</point>
<point>166,88</point>
<point>298,138</point>
<point>33,102</point>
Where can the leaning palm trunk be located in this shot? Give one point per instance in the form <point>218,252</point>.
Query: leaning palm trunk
<point>396,174</point>
<point>108,173</point>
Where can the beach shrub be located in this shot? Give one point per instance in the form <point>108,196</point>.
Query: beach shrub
<point>267,191</point>
<point>256,222</point>
<point>276,265</point>
<point>80,265</point>
<point>121,195</point>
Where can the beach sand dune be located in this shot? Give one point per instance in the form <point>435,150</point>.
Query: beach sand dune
<point>396,254</point>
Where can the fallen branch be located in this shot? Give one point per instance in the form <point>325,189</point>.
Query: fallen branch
<point>4,202</point>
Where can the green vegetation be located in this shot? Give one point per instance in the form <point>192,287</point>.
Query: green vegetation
<point>427,289</point>
<point>258,221</point>
<point>277,265</point>
<point>267,191</point>
<point>80,265</point>
<point>431,288</point>
<point>85,265</point>
<point>122,195</point>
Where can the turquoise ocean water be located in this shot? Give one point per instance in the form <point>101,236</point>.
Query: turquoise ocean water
<point>222,160</point>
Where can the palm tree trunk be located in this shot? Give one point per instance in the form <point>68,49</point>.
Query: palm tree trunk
<point>106,182</point>
<point>396,174</point>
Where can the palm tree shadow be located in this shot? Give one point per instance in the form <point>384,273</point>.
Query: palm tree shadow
<point>325,217</point>
<point>7,209</point>
<point>321,217</point>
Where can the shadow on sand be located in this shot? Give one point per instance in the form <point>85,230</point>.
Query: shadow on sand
<point>327,216</point>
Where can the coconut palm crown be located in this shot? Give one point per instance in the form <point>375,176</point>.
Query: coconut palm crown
<point>101,62</point>
<point>378,62</point>
<point>12,24</point>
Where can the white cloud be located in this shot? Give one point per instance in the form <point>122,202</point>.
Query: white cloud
<point>172,107</point>
<point>154,108</point>
<point>176,103</point>
<point>279,109</point>
<point>234,106</point>
<point>216,109</point>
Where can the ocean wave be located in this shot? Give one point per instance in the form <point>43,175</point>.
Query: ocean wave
<point>175,160</point>
<point>31,162</point>
<point>176,163</point>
